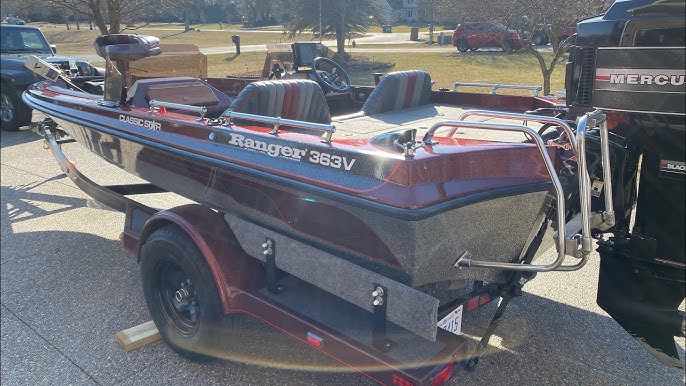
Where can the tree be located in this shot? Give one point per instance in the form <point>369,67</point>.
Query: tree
<point>339,19</point>
<point>547,16</point>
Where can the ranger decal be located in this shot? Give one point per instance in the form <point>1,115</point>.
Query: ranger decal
<point>316,157</point>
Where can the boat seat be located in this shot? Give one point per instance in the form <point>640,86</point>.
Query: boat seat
<point>127,46</point>
<point>399,90</point>
<point>298,99</point>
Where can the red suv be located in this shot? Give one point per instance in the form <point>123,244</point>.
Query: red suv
<point>472,36</point>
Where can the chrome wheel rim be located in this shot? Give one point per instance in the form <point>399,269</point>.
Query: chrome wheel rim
<point>7,112</point>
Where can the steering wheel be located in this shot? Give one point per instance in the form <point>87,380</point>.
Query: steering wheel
<point>337,81</point>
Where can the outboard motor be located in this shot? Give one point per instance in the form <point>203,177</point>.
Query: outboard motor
<point>630,63</point>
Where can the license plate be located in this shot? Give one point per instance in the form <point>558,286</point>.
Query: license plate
<point>452,322</point>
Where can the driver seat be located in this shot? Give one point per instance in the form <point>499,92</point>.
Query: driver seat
<point>298,99</point>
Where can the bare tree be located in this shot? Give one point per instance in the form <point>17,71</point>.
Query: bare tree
<point>551,18</point>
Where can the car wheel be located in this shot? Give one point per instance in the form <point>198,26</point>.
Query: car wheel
<point>509,45</point>
<point>182,296</point>
<point>462,45</point>
<point>13,112</point>
<point>540,39</point>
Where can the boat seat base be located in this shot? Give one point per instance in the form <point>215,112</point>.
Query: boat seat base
<point>182,90</point>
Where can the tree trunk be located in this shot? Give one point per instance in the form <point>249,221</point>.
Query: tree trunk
<point>97,15</point>
<point>340,38</point>
<point>187,21</point>
<point>340,42</point>
<point>114,13</point>
<point>76,19</point>
<point>90,22</point>
<point>546,82</point>
<point>66,19</point>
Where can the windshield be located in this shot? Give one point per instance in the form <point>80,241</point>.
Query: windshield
<point>23,40</point>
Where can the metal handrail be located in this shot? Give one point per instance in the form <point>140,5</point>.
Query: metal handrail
<point>596,118</point>
<point>524,117</point>
<point>588,219</point>
<point>496,87</point>
<point>155,105</point>
<point>609,214</point>
<point>278,121</point>
<point>464,261</point>
<point>593,119</point>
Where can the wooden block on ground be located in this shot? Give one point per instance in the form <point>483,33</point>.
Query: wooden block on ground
<point>138,336</point>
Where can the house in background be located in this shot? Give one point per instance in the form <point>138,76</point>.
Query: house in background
<point>405,10</point>
<point>388,11</point>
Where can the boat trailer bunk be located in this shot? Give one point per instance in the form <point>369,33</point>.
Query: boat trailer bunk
<point>389,331</point>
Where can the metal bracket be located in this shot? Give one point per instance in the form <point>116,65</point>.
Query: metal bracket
<point>380,340</point>
<point>269,250</point>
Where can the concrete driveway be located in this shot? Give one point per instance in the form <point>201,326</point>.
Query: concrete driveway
<point>67,286</point>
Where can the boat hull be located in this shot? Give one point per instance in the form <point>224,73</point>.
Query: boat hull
<point>414,247</point>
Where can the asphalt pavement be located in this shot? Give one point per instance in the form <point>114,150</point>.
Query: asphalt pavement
<point>67,286</point>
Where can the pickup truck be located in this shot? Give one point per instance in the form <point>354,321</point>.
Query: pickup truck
<point>18,42</point>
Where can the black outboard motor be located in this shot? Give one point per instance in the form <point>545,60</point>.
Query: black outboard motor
<point>630,62</point>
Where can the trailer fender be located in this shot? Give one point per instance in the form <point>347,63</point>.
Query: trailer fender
<point>233,270</point>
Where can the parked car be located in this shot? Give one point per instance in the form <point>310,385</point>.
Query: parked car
<point>17,43</point>
<point>17,21</point>
<point>542,37</point>
<point>474,35</point>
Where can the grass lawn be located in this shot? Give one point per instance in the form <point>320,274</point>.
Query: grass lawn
<point>445,68</point>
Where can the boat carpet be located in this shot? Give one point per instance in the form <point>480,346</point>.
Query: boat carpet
<point>419,117</point>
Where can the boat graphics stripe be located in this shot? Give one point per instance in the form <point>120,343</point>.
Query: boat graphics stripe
<point>358,201</point>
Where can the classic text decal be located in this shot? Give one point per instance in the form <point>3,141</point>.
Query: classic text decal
<point>148,124</point>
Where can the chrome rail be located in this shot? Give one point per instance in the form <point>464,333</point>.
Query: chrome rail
<point>609,214</point>
<point>155,106</point>
<point>524,117</point>
<point>566,244</point>
<point>328,130</point>
<point>464,261</point>
<point>496,87</point>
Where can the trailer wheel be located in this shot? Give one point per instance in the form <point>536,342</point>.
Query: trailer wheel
<point>182,295</point>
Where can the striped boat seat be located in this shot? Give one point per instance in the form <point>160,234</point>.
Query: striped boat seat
<point>399,90</point>
<point>299,99</point>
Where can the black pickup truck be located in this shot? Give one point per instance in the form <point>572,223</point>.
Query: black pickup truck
<point>18,43</point>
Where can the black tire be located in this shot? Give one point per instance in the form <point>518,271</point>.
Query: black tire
<point>540,39</point>
<point>13,112</point>
<point>509,45</point>
<point>462,45</point>
<point>195,327</point>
